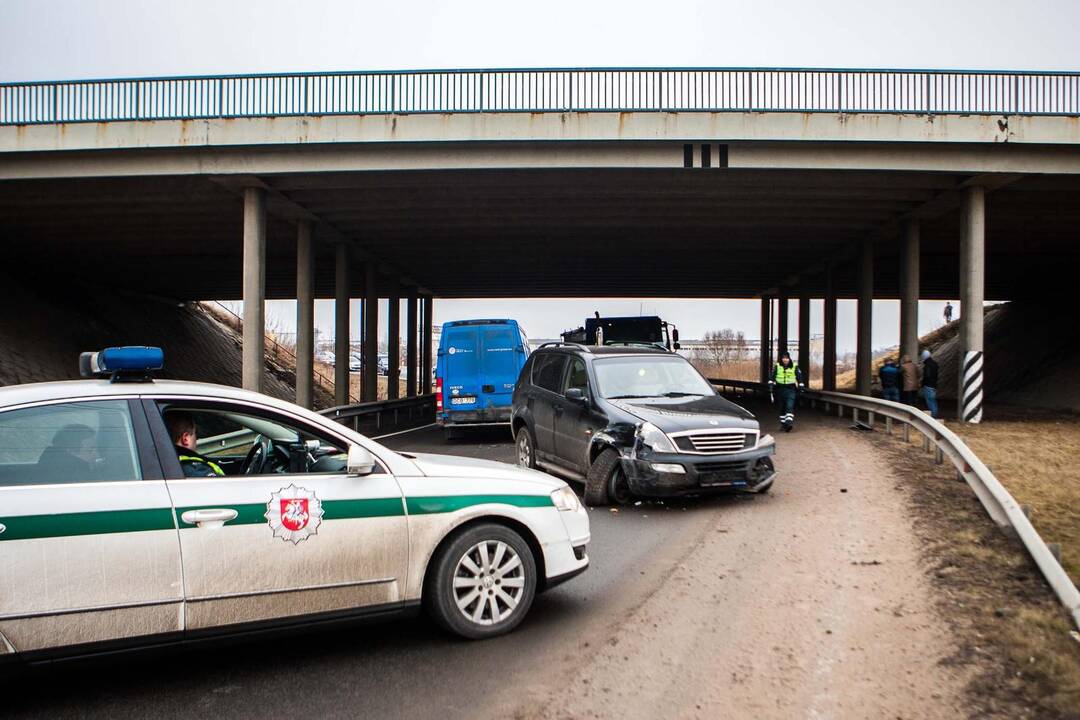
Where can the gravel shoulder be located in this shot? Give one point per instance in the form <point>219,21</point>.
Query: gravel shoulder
<point>809,602</point>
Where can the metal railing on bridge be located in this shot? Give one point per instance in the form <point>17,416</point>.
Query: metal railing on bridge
<point>543,90</point>
<point>998,502</point>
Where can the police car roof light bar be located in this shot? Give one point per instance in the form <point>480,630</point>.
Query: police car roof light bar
<point>122,364</point>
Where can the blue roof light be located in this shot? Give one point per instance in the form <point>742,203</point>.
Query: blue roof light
<point>122,363</point>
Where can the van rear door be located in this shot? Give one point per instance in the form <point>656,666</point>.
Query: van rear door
<point>501,364</point>
<point>461,360</point>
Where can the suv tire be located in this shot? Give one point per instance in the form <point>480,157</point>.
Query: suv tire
<point>606,482</point>
<point>454,607</point>
<point>525,443</point>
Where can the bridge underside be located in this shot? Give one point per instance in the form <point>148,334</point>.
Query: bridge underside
<point>680,232</point>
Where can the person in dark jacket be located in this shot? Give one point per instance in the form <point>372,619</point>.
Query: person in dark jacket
<point>890,380</point>
<point>181,427</point>
<point>929,382</point>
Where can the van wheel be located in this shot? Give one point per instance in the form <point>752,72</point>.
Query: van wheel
<point>606,482</point>
<point>526,448</point>
<point>483,583</point>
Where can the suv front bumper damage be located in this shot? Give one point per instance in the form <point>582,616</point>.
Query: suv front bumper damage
<point>747,471</point>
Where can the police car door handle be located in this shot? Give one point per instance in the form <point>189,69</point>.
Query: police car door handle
<point>209,517</point>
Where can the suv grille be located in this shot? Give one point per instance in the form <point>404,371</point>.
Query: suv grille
<point>716,442</point>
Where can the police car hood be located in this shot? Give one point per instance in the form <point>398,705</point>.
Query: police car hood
<point>452,466</point>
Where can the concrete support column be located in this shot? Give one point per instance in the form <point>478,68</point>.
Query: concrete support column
<point>410,343</point>
<point>972,294</point>
<point>804,333</point>
<point>341,325</point>
<point>766,338</point>
<point>393,342</point>
<point>909,291</point>
<point>305,315</point>
<point>828,372</point>
<point>426,335</point>
<point>371,332</point>
<point>254,347</point>
<point>781,323</point>
<point>864,331</point>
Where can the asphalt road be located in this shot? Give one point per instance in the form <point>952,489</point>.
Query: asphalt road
<point>740,606</point>
<point>402,667</point>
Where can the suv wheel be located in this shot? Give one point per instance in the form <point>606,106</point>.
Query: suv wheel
<point>483,583</point>
<point>606,482</point>
<point>526,448</point>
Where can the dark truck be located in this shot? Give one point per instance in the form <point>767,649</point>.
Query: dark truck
<point>644,330</point>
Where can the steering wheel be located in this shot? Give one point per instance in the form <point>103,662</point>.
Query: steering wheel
<point>258,456</point>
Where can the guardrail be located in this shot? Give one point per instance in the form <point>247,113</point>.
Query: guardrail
<point>385,416</point>
<point>999,504</point>
<point>544,90</point>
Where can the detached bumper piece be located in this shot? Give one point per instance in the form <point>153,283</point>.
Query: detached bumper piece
<point>677,475</point>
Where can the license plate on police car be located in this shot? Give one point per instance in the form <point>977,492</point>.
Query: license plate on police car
<point>463,400</point>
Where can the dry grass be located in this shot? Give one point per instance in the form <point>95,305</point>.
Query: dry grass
<point>1035,454</point>
<point>1012,631</point>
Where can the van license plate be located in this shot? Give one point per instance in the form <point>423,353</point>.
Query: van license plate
<point>463,400</point>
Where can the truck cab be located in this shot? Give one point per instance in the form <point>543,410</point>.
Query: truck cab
<point>477,366</point>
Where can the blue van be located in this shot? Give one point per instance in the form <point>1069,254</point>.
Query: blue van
<point>475,373</point>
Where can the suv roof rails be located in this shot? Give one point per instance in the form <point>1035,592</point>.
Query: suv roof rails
<point>560,343</point>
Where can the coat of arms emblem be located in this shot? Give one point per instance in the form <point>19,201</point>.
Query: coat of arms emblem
<point>294,513</point>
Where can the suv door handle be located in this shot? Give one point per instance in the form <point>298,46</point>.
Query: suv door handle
<point>209,517</point>
<point>558,409</point>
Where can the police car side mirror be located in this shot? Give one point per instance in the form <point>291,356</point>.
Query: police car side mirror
<point>360,461</point>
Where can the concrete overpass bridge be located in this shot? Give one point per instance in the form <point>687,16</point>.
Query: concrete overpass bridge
<point>702,182</point>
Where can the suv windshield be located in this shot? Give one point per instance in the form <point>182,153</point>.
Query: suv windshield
<point>648,376</point>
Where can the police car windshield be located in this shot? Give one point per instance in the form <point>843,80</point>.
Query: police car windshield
<point>642,376</point>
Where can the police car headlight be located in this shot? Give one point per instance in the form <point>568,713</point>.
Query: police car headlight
<point>566,499</point>
<point>655,438</point>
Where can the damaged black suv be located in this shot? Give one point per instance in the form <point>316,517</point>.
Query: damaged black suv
<point>634,422</point>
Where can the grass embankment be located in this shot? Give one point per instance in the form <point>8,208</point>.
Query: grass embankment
<point>1036,455</point>
<point>1006,617</point>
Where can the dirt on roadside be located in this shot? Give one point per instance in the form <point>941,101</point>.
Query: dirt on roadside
<point>1011,632</point>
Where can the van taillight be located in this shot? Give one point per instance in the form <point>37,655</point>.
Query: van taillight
<point>438,393</point>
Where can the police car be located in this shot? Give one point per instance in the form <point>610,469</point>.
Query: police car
<point>277,516</point>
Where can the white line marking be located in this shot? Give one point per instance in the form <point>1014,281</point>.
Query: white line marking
<point>402,432</point>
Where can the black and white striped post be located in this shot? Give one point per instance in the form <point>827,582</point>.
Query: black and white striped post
<point>971,394</point>
<point>972,293</point>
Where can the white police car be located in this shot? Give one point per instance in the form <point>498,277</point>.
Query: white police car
<point>105,541</point>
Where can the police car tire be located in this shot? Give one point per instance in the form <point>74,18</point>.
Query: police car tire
<point>439,596</point>
<point>598,481</point>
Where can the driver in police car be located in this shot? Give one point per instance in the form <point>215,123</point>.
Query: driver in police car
<point>182,431</point>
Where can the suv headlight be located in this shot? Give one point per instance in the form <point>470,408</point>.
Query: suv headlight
<point>655,438</point>
<point>566,499</point>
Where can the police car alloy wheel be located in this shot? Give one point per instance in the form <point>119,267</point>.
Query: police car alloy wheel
<point>483,582</point>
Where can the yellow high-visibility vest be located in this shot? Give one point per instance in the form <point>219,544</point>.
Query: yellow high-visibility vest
<point>785,375</point>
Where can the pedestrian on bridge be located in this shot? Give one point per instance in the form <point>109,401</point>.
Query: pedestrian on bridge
<point>929,383</point>
<point>948,313</point>
<point>910,373</point>
<point>788,380</point>
<point>891,380</point>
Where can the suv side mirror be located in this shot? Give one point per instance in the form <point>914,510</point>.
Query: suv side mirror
<point>576,395</point>
<point>360,462</point>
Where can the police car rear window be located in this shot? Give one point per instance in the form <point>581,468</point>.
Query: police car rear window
<point>73,442</point>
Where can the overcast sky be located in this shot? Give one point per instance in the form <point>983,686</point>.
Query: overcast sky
<point>63,39</point>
